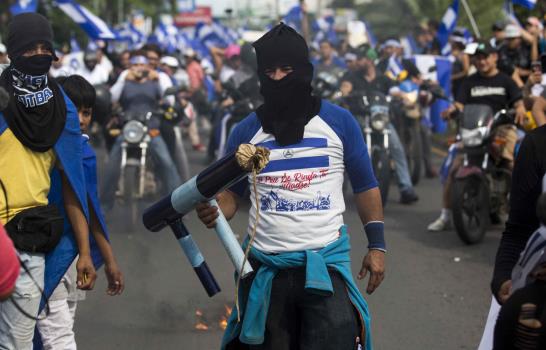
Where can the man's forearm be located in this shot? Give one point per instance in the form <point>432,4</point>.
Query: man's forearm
<point>98,234</point>
<point>77,218</point>
<point>369,205</point>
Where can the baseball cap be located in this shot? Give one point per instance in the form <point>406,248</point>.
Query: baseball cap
<point>512,31</point>
<point>392,43</point>
<point>232,51</point>
<point>484,48</point>
<point>169,61</point>
<point>349,56</point>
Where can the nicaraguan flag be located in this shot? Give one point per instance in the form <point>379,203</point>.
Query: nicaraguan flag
<point>74,46</point>
<point>208,36</point>
<point>129,33</point>
<point>324,30</point>
<point>394,68</point>
<point>167,37</point>
<point>438,69</point>
<point>22,6</point>
<point>448,24</point>
<point>410,45</point>
<point>293,18</point>
<point>95,27</point>
<point>530,4</point>
<point>509,14</point>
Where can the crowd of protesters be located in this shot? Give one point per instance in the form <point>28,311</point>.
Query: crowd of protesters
<point>215,93</point>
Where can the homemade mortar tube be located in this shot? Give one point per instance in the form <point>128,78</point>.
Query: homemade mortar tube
<point>203,187</point>
<point>195,257</point>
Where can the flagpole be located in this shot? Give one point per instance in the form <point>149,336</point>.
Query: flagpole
<point>471,18</point>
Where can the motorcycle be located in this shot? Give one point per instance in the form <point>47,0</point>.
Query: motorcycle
<point>481,186</point>
<point>136,180</point>
<point>372,112</point>
<point>413,99</point>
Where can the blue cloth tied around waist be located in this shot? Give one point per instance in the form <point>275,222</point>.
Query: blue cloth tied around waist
<point>254,314</point>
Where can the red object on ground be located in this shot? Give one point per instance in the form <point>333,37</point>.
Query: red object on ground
<point>9,263</point>
<point>190,19</point>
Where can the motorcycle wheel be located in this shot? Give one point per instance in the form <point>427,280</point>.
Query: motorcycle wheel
<point>131,199</point>
<point>470,208</point>
<point>382,170</point>
<point>414,148</point>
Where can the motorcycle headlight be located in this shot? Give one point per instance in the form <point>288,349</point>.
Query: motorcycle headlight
<point>473,137</point>
<point>379,121</point>
<point>133,131</point>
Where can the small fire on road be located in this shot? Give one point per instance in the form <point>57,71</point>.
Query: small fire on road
<point>201,324</point>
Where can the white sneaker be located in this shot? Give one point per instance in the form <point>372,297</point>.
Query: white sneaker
<point>439,225</point>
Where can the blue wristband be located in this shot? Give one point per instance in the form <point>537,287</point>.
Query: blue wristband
<point>376,237</point>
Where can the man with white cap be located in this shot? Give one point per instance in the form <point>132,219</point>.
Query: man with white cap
<point>517,53</point>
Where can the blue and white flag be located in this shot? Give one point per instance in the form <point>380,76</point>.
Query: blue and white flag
<point>167,37</point>
<point>394,68</point>
<point>448,24</point>
<point>294,17</point>
<point>211,35</point>
<point>437,69</point>
<point>74,45</point>
<point>22,6</point>
<point>324,30</point>
<point>410,45</point>
<point>95,27</point>
<point>128,32</point>
<point>530,4</point>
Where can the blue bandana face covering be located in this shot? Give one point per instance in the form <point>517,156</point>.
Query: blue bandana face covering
<point>30,90</point>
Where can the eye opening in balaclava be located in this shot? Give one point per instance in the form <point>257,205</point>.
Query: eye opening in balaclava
<point>289,104</point>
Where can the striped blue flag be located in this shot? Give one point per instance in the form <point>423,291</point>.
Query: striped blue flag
<point>324,30</point>
<point>22,6</point>
<point>95,27</point>
<point>447,26</point>
<point>529,4</point>
<point>438,69</point>
<point>294,17</point>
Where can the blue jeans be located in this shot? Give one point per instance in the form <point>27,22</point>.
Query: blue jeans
<point>16,329</point>
<point>400,161</point>
<point>166,169</point>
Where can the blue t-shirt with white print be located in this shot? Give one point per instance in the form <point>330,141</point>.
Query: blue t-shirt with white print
<point>300,192</point>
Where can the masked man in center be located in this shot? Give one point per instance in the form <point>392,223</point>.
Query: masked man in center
<point>301,294</point>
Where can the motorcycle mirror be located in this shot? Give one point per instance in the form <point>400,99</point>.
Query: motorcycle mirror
<point>541,208</point>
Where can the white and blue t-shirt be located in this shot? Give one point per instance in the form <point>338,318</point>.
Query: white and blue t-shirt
<point>300,192</point>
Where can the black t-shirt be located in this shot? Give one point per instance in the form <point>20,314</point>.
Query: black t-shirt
<point>381,83</point>
<point>498,92</point>
<point>511,58</point>
<point>529,169</point>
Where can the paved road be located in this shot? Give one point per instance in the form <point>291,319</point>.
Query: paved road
<point>435,295</point>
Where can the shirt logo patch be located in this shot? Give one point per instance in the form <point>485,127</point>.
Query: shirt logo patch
<point>288,153</point>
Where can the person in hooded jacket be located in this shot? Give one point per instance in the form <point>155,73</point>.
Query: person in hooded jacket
<point>39,131</point>
<point>302,294</point>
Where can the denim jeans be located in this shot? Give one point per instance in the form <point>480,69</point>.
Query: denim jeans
<point>297,319</point>
<point>400,161</point>
<point>16,329</point>
<point>166,169</point>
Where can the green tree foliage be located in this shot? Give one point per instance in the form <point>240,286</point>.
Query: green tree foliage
<point>392,18</point>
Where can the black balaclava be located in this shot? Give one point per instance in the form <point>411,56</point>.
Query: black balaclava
<point>36,112</point>
<point>288,103</point>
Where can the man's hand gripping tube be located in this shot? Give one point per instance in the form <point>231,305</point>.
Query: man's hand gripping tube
<point>214,179</point>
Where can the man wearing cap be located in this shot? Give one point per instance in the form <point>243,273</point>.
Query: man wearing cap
<point>39,131</point>
<point>516,53</point>
<point>302,294</point>
<point>495,89</point>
